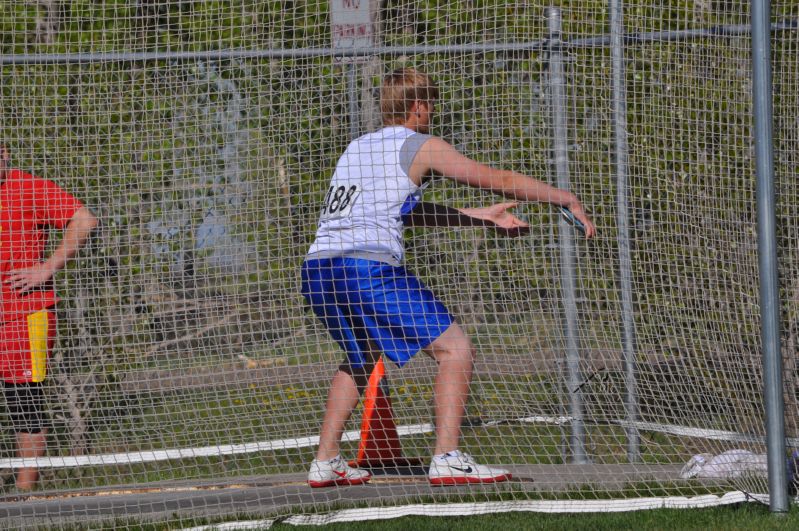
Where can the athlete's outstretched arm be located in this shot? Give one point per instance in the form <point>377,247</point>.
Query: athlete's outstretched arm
<point>496,216</point>
<point>439,156</point>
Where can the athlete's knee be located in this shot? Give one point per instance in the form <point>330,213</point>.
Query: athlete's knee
<point>359,374</point>
<point>453,345</point>
<point>361,369</point>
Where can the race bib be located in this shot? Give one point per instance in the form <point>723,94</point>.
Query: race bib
<point>339,200</point>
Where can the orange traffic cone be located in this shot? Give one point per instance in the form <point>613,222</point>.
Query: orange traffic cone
<point>380,444</point>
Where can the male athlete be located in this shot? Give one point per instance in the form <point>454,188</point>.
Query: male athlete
<point>28,206</point>
<point>354,281</point>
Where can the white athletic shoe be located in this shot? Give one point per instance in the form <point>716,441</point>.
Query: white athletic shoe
<point>458,468</point>
<point>335,472</point>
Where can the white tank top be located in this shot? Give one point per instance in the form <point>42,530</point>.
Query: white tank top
<point>369,193</point>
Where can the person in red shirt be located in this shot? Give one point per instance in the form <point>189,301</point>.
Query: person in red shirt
<point>29,207</point>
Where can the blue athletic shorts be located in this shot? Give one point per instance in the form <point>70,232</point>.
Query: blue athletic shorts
<point>360,300</point>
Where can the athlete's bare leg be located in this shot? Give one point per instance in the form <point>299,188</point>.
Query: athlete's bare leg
<point>341,400</point>
<point>454,353</point>
<point>344,394</point>
<point>30,445</point>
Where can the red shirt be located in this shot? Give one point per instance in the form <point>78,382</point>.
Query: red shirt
<point>29,206</point>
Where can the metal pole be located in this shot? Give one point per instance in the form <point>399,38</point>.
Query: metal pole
<point>567,254</point>
<point>622,220</point>
<point>599,41</point>
<point>352,98</point>
<point>767,256</point>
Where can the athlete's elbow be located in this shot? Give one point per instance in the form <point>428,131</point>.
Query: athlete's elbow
<point>90,221</point>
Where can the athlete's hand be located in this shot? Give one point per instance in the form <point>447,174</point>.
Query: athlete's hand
<point>501,217</point>
<point>579,212</point>
<point>28,278</point>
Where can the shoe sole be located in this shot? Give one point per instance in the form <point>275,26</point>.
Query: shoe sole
<point>464,480</point>
<point>338,482</point>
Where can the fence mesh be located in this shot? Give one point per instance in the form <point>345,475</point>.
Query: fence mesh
<point>203,136</point>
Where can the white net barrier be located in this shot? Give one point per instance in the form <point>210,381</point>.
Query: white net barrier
<point>203,136</point>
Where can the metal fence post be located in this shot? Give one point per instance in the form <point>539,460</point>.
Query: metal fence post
<point>567,252</point>
<point>622,219</point>
<point>767,255</point>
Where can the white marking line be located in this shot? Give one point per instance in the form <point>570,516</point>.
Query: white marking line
<point>475,509</point>
<point>716,435</point>
<point>149,456</point>
<point>128,458</point>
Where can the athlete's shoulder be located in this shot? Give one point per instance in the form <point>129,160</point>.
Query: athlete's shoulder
<point>29,180</point>
<point>20,180</point>
<point>391,135</point>
<point>436,144</point>
<point>42,191</point>
<point>18,176</point>
<point>431,149</point>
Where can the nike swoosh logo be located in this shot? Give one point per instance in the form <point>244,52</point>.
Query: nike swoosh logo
<point>467,470</point>
<point>340,474</point>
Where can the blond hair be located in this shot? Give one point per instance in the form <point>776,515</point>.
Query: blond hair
<point>400,90</point>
